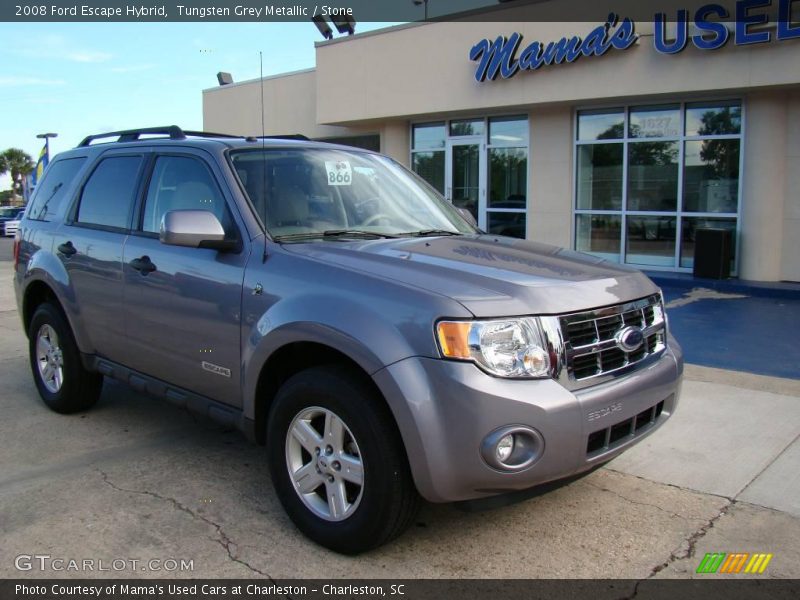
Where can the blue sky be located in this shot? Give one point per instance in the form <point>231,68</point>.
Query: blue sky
<point>80,78</point>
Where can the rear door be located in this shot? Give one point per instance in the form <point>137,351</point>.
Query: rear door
<point>89,243</point>
<point>183,309</point>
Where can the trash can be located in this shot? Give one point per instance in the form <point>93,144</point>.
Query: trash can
<point>712,253</point>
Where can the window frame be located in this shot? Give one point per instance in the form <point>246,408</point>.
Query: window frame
<point>153,156</point>
<point>67,196</point>
<point>679,213</point>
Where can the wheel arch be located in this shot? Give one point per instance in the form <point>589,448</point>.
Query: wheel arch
<point>36,293</point>
<point>292,358</point>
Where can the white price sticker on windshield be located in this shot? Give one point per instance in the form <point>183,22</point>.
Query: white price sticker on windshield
<point>339,172</point>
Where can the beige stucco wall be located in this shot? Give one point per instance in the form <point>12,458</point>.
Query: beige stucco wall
<point>763,186</point>
<point>425,69</point>
<point>290,103</point>
<point>790,252</point>
<point>550,175</point>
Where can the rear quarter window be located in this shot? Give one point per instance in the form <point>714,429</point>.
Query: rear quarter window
<point>52,189</point>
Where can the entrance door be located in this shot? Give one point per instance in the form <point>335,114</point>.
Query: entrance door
<point>465,176</point>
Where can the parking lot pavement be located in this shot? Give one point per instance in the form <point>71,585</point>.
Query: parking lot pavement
<point>735,326</point>
<point>136,478</point>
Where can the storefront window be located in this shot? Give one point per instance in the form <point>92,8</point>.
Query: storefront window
<point>430,166</point>
<point>713,119</point>
<point>467,127</point>
<point>600,176</point>
<point>599,234</point>
<point>508,177</point>
<point>711,176</point>
<point>601,125</point>
<point>655,122</point>
<point>429,136</point>
<point>508,130</point>
<point>653,176</point>
<point>507,198</point>
<point>428,153</point>
<point>674,169</point>
<point>479,164</point>
<point>651,241</point>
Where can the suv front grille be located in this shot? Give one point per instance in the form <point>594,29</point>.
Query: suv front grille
<point>590,338</point>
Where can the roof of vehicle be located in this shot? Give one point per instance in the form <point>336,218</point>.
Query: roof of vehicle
<point>172,134</point>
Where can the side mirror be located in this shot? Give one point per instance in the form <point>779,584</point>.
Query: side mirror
<point>193,229</point>
<point>467,215</point>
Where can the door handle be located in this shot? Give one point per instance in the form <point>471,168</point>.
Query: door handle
<point>144,265</point>
<point>67,249</point>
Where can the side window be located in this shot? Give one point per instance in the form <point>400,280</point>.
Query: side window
<point>108,194</point>
<point>182,183</point>
<point>51,190</point>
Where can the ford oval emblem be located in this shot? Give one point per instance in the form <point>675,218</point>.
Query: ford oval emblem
<point>629,339</point>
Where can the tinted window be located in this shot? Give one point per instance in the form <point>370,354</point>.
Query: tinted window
<point>108,195</point>
<point>52,188</point>
<point>182,183</point>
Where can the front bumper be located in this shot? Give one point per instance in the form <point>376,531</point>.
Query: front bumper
<point>445,409</point>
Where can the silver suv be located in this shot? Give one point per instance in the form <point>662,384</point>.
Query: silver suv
<point>335,308</point>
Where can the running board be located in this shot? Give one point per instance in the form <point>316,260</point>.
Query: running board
<point>228,416</point>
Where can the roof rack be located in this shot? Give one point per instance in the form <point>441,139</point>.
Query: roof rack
<point>131,135</point>
<point>175,133</point>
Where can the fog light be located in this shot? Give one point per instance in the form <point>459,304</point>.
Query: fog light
<point>512,448</point>
<point>505,447</point>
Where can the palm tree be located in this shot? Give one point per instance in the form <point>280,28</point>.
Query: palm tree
<point>18,164</point>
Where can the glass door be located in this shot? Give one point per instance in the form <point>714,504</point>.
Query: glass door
<point>465,176</point>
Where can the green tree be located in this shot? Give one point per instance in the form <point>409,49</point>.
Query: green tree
<point>18,164</point>
<point>721,155</point>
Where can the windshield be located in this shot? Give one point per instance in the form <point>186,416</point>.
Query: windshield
<point>307,193</point>
<point>9,212</point>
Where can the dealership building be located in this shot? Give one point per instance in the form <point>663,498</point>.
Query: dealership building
<point>621,139</point>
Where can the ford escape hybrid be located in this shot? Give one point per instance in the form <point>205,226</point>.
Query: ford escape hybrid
<point>331,305</point>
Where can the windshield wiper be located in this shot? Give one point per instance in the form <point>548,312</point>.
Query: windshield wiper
<point>333,234</point>
<point>429,232</point>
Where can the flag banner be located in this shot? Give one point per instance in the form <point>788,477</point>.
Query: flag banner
<point>40,166</point>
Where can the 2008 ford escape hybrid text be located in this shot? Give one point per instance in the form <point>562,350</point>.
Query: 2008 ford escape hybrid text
<point>335,308</point>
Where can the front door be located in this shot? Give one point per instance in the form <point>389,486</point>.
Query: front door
<point>465,176</point>
<point>183,305</point>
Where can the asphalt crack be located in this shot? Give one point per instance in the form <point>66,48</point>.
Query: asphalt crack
<point>222,538</point>
<point>690,550</point>
<point>636,502</point>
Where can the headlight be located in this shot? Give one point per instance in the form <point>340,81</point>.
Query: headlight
<point>506,348</point>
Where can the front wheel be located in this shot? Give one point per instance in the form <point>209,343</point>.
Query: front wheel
<point>337,461</point>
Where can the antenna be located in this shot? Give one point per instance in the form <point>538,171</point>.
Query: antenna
<point>263,150</point>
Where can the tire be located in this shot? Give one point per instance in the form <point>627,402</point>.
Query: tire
<point>63,383</point>
<point>359,517</point>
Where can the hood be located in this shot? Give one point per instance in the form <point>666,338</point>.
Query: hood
<point>491,276</point>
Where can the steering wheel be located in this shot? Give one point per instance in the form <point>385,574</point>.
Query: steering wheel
<point>376,217</point>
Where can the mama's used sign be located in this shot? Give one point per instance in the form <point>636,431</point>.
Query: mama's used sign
<point>714,24</point>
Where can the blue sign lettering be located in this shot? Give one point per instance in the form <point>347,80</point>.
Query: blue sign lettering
<point>712,22</point>
<point>660,34</point>
<point>719,33</point>
<point>744,19</point>
<point>714,33</point>
<point>500,56</point>
<point>785,30</point>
